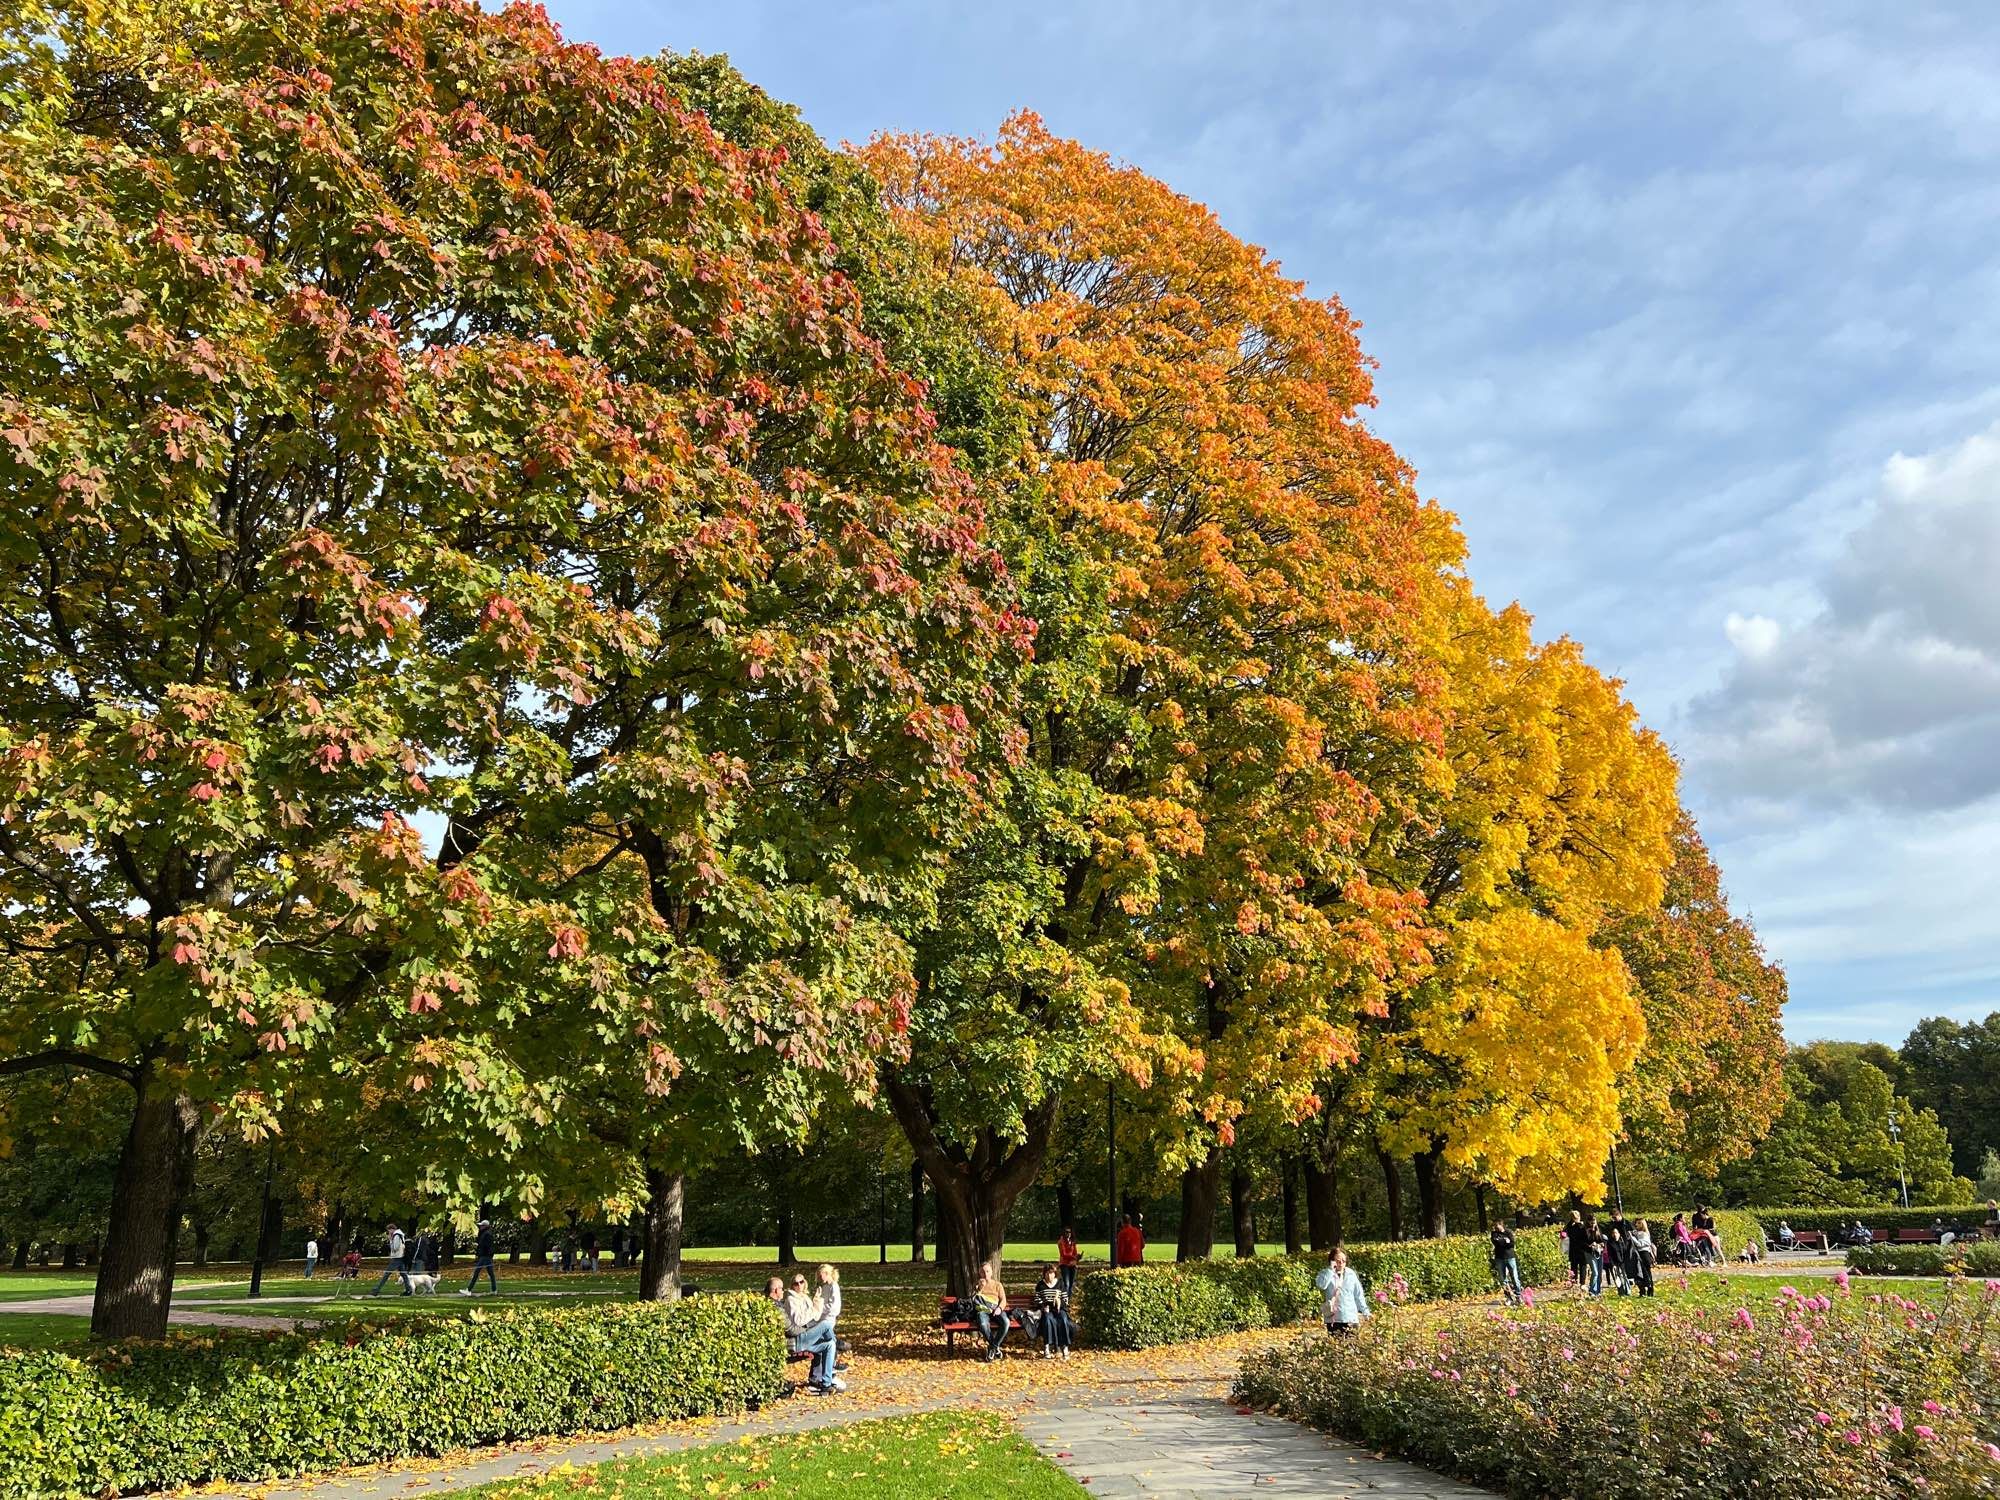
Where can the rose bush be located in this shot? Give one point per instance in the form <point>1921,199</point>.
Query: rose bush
<point>1840,1394</point>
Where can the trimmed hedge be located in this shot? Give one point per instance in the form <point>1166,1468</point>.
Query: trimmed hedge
<point>1963,1258</point>
<point>1167,1303</point>
<point>253,1406</point>
<point>1877,1219</point>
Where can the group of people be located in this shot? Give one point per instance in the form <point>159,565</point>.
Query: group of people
<point>419,1257</point>
<point>1617,1251</point>
<point>812,1322</point>
<point>1047,1311</point>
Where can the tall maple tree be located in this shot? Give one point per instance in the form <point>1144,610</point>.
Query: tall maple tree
<point>1709,1082</point>
<point>1221,559</point>
<point>407,413</point>
<point>1503,1059</point>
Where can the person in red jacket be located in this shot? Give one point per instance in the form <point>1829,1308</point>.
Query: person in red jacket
<point>1131,1247</point>
<point>1068,1257</point>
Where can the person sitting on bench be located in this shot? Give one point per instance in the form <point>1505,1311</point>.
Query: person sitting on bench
<point>806,1332</point>
<point>991,1300</point>
<point>1052,1302</point>
<point>1786,1239</point>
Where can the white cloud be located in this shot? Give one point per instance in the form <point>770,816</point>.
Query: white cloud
<point>1889,695</point>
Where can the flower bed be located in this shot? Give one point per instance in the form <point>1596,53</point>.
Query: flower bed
<point>1144,1306</point>
<point>1857,1396</point>
<point>1958,1259</point>
<point>246,1406</point>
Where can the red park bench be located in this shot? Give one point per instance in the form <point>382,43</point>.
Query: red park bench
<point>1809,1239</point>
<point>953,1327</point>
<point>1916,1237</point>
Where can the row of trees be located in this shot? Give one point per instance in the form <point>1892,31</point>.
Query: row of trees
<point>558,631</point>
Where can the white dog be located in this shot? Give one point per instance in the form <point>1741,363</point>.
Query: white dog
<point>420,1283</point>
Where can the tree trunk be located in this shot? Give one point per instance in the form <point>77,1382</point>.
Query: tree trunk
<point>90,1250</point>
<point>976,1186</point>
<point>135,1284</point>
<point>1065,1205</point>
<point>69,1256</point>
<point>201,1233</point>
<point>660,1259</point>
<point>1479,1198</point>
<point>1201,1186</point>
<point>1243,1213</point>
<point>788,1248</point>
<point>1294,1244</point>
<point>1430,1191</point>
<point>1392,1184</point>
<point>21,1253</point>
<point>1322,1205</point>
<point>916,1211</point>
<point>538,1243</point>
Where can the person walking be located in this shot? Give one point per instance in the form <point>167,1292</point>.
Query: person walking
<point>482,1260</point>
<point>1642,1258</point>
<point>395,1266</point>
<point>1343,1299</point>
<point>1068,1257</point>
<point>1506,1264</point>
<point>1595,1260</point>
<point>312,1255</point>
<point>590,1250</point>
<point>1052,1302</point>
<point>990,1301</point>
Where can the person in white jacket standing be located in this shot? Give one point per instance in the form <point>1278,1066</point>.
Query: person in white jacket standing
<point>312,1256</point>
<point>1344,1301</point>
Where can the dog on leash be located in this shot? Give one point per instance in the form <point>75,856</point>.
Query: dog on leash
<point>421,1283</point>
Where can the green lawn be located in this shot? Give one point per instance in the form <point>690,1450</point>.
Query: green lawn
<point>42,1330</point>
<point>944,1455</point>
<point>19,1286</point>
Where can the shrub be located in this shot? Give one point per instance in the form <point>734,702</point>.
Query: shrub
<point>1848,1395</point>
<point>1962,1258</point>
<point>248,1406</point>
<point>1144,1306</point>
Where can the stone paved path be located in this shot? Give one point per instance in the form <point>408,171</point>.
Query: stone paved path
<point>1122,1440</point>
<point>182,1313</point>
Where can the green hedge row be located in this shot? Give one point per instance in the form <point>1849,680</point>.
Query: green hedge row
<point>251,1406</point>
<point>1878,1219</point>
<point>1145,1306</point>
<point>1962,1258</point>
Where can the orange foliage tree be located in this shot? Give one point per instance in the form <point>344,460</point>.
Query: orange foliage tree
<point>1225,564</point>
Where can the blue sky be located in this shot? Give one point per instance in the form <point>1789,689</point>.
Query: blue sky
<point>1691,312</point>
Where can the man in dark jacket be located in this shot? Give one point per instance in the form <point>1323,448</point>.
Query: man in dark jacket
<point>482,1259</point>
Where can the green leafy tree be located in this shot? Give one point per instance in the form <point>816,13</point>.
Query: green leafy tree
<point>1953,1069</point>
<point>407,414</point>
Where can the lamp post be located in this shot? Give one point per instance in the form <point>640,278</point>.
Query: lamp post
<point>1896,1135</point>
<point>1617,1197</point>
<point>1111,1158</point>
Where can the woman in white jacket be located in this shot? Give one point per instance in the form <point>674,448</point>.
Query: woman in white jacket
<point>1344,1301</point>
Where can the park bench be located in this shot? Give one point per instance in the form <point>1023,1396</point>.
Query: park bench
<point>953,1327</point>
<point>1809,1239</point>
<point>1916,1237</point>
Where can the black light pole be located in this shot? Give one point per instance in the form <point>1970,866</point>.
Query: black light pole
<point>1896,1135</point>
<point>1111,1138</point>
<point>263,1223</point>
<point>1617,1197</point>
<point>882,1213</point>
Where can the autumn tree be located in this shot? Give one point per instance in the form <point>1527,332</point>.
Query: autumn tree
<point>410,416</point>
<point>1502,1060</point>
<point>1217,552</point>
<point>1709,1081</point>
